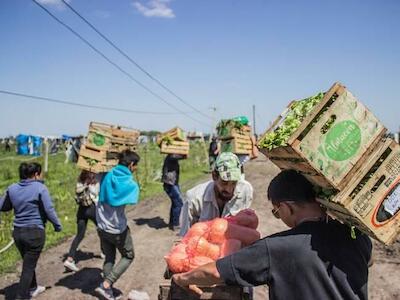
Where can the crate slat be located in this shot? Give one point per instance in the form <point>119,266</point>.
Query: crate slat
<point>175,147</point>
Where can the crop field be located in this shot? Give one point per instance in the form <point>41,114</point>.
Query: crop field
<point>61,180</point>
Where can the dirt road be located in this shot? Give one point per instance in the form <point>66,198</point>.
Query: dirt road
<point>152,240</point>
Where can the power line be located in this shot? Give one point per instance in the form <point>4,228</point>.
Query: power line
<point>115,64</point>
<point>132,60</point>
<point>40,98</point>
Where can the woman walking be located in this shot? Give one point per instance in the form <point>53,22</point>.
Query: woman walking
<point>32,206</point>
<point>87,194</point>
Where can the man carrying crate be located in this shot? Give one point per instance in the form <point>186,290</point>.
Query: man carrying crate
<point>117,189</point>
<point>318,258</point>
<point>170,179</point>
<point>225,195</point>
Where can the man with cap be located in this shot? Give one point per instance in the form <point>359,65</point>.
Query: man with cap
<point>226,194</point>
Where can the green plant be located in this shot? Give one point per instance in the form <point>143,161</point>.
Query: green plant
<point>296,114</point>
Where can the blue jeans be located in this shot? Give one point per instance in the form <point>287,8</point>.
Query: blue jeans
<point>174,194</point>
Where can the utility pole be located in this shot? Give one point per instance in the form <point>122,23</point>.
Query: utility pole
<point>254,120</point>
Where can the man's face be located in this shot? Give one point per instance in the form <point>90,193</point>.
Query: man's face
<point>224,190</point>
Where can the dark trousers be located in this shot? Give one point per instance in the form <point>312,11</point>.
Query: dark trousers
<point>174,194</point>
<point>29,242</point>
<point>84,214</point>
<point>109,245</point>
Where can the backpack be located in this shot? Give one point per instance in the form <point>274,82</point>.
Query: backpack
<point>83,198</point>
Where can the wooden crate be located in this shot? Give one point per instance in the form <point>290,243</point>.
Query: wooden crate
<point>99,140</point>
<point>372,187</point>
<point>125,133</point>
<point>112,138</point>
<point>239,144</point>
<point>105,129</point>
<point>98,167</point>
<point>226,133</point>
<point>170,291</point>
<point>121,144</point>
<point>99,155</point>
<point>175,147</point>
<point>332,141</point>
<point>175,133</point>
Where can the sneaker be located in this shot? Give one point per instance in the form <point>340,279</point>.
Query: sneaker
<point>36,292</point>
<point>102,255</point>
<point>70,265</point>
<point>106,293</point>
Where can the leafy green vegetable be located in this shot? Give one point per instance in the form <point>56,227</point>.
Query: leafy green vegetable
<point>91,161</point>
<point>224,127</point>
<point>296,114</point>
<point>168,140</point>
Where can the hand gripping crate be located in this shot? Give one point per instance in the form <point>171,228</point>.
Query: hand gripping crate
<point>170,291</point>
<point>329,144</point>
<point>175,147</point>
<point>239,144</point>
<point>371,200</point>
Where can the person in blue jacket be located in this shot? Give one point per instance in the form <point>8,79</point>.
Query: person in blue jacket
<point>117,189</point>
<point>32,206</point>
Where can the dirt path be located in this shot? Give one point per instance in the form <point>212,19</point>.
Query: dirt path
<point>152,240</point>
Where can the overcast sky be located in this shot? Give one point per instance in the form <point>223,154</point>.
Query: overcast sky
<point>212,53</point>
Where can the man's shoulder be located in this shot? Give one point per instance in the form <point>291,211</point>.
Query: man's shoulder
<point>244,185</point>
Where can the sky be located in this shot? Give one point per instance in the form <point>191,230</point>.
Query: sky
<point>225,54</point>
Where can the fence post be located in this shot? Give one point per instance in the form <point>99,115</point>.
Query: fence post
<point>46,155</point>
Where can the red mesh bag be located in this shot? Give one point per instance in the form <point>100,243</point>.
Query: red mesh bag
<point>205,242</point>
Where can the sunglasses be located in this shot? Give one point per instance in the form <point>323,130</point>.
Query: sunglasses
<point>275,211</point>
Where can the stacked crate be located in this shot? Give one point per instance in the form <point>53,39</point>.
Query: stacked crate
<point>235,138</point>
<point>103,144</point>
<point>173,141</point>
<point>170,290</point>
<point>340,147</point>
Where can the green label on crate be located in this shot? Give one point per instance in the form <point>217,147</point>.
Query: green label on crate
<point>98,139</point>
<point>343,141</point>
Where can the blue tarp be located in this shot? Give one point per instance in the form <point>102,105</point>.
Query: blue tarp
<point>29,144</point>
<point>66,137</point>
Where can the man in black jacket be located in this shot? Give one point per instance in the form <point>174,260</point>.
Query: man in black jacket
<point>170,178</point>
<point>318,258</point>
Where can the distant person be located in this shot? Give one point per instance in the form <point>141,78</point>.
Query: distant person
<point>170,178</point>
<point>32,206</point>
<point>86,196</point>
<point>7,146</point>
<point>117,189</point>
<point>68,151</point>
<point>213,151</point>
<point>225,195</point>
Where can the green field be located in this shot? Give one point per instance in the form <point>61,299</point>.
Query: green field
<point>61,180</point>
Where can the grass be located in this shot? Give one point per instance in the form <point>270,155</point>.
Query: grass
<point>61,180</point>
